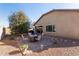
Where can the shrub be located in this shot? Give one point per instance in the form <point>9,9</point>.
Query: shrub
<point>24,46</point>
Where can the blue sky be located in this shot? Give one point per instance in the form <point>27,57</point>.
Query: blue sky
<point>32,10</point>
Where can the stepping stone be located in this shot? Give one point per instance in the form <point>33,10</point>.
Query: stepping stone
<point>29,51</point>
<point>25,38</point>
<point>42,46</point>
<point>74,42</point>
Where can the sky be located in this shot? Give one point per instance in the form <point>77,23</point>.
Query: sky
<point>32,10</point>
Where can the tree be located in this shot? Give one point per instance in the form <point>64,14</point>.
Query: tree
<point>19,23</point>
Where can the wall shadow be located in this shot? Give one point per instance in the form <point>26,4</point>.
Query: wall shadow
<point>14,52</point>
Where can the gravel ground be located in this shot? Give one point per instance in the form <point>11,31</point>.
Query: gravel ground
<point>71,51</point>
<point>47,46</point>
<point>54,46</point>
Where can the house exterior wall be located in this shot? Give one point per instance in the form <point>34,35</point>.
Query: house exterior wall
<point>66,23</point>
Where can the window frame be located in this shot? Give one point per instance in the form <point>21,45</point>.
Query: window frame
<point>50,28</point>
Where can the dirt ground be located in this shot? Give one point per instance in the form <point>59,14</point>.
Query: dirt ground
<point>47,46</point>
<point>9,47</point>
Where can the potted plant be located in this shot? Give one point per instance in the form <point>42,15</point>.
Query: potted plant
<point>23,48</point>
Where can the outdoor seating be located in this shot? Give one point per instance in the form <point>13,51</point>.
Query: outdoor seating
<point>32,36</point>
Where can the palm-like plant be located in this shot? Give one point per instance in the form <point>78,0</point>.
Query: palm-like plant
<point>23,48</point>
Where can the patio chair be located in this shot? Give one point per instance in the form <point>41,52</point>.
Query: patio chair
<point>32,36</point>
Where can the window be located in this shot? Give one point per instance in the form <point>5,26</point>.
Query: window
<point>50,28</point>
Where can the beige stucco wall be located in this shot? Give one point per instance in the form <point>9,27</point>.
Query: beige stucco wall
<point>66,23</point>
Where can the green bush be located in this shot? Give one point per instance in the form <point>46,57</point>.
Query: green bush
<point>24,46</point>
<point>19,23</point>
